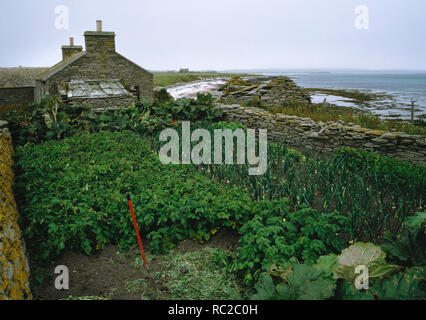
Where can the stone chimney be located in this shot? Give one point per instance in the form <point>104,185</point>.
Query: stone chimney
<point>71,49</point>
<point>99,25</point>
<point>99,41</point>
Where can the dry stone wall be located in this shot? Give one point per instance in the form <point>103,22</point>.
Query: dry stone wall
<point>317,135</point>
<point>14,268</point>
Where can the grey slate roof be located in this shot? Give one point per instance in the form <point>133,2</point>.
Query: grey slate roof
<point>19,77</point>
<point>96,89</point>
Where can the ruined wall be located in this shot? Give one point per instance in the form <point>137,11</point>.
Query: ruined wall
<point>104,103</point>
<point>14,269</point>
<point>16,96</point>
<point>304,132</point>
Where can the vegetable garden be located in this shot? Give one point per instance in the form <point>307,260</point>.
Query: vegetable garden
<point>303,226</point>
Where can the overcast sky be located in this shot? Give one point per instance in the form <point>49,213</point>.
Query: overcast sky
<point>224,34</point>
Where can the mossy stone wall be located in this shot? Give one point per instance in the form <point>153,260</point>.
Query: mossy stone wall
<point>14,269</point>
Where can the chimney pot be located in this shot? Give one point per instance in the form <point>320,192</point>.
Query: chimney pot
<point>99,25</point>
<point>71,42</point>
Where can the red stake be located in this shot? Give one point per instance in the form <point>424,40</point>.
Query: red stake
<point>136,228</point>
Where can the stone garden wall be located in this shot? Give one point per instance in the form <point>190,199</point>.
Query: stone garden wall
<point>14,268</point>
<point>304,132</point>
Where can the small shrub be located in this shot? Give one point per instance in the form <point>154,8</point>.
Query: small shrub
<point>162,96</point>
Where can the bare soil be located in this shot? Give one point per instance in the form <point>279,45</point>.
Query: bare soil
<point>108,273</point>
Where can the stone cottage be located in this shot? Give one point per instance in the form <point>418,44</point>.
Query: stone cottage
<point>99,76</point>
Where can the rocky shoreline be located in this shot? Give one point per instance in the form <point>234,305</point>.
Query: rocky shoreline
<point>265,90</point>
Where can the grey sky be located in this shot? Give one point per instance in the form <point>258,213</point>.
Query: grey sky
<point>224,34</point>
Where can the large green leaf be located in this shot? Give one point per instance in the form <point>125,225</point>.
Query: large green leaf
<point>379,271</point>
<point>416,221</point>
<point>265,288</point>
<point>347,291</point>
<point>366,254</point>
<point>326,264</point>
<point>303,283</point>
<point>318,290</point>
<point>308,283</point>
<point>408,285</point>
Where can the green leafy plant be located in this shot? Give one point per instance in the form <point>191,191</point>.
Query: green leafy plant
<point>347,291</point>
<point>187,109</point>
<point>39,121</point>
<point>366,254</point>
<point>304,282</point>
<point>275,235</point>
<point>71,195</point>
<point>50,120</point>
<point>162,96</point>
<point>410,248</point>
<point>407,285</point>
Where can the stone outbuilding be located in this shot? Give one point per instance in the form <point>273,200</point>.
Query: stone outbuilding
<point>17,86</point>
<point>99,76</point>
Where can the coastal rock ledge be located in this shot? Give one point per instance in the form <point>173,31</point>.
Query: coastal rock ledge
<point>266,90</point>
<point>329,136</point>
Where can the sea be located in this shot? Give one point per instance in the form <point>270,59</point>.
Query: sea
<point>402,87</point>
